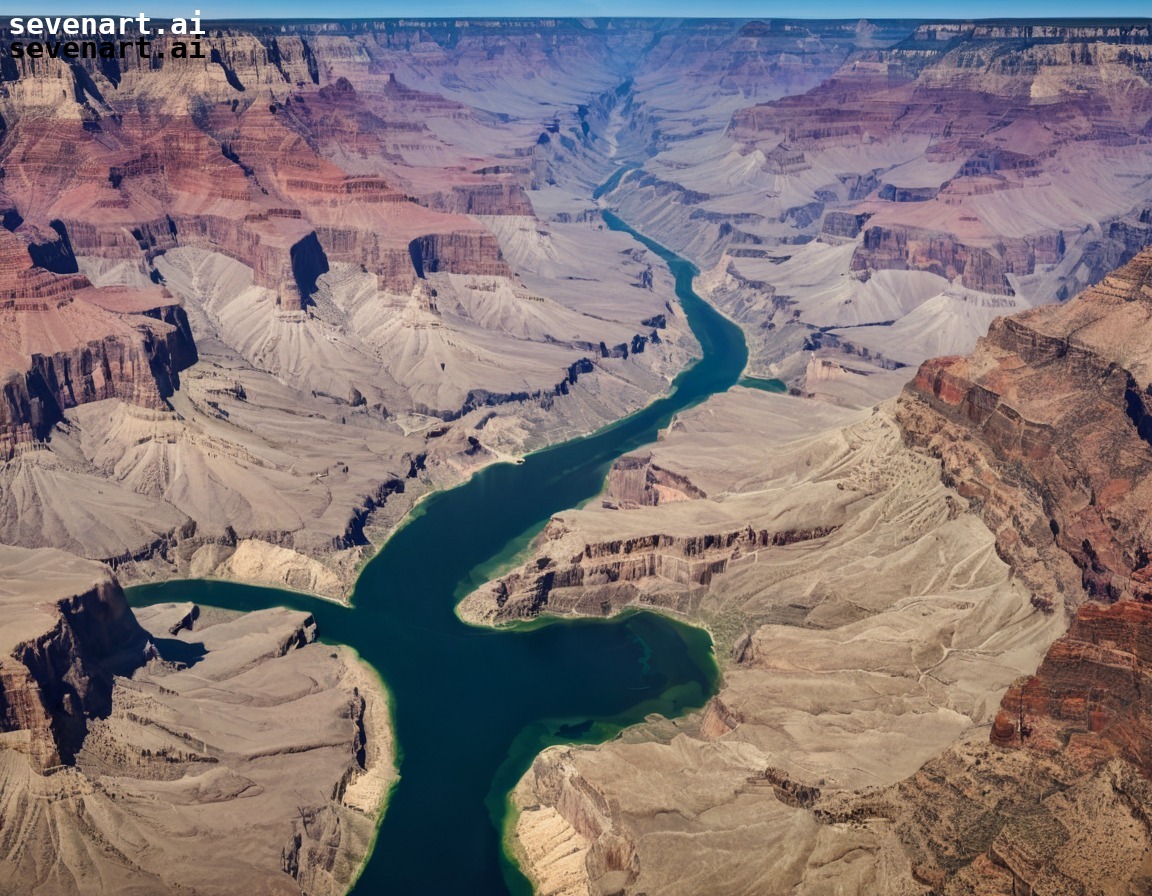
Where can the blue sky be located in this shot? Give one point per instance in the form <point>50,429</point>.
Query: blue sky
<point>281,9</point>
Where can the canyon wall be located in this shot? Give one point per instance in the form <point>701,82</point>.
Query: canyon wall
<point>255,306</point>
<point>68,343</point>
<point>1058,395</point>
<point>1047,434</point>
<point>56,678</point>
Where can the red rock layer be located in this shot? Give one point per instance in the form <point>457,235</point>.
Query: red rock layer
<point>178,157</point>
<point>996,105</point>
<point>121,162</point>
<point>1088,697</point>
<point>1046,427</point>
<point>64,343</point>
<point>984,269</point>
<point>26,287</point>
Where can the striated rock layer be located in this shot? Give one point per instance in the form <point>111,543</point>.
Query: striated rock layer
<point>1059,396</point>
<point>60,660</point>
<point>66,343</point>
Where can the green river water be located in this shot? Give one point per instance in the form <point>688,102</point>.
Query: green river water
<point>473,706</point>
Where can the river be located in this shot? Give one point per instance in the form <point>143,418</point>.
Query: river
<point>473,706</point>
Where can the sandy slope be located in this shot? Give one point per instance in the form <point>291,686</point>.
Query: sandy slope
<point>875,628</point>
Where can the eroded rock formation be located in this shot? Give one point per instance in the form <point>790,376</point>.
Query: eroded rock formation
<point>1058,396</point>
<point>67,343</point>
<point>59,662</point>
<point>875,631</point>
<point>199,752</point>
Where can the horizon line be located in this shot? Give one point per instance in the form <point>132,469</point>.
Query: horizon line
<point>974,20</point>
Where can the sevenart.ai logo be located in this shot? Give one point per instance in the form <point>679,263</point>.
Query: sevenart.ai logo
<point>104,37</point>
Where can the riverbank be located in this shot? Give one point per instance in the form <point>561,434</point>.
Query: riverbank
<point>512,692</point>
<point>369,791</point>
<point>863,623</point>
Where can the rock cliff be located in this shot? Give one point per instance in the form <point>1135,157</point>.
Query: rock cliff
<point>60,656</point>
<point>1048,416</point>
<point>67,343</point>
<point>863,622</point>
<point>197,752</point>
<point>1057,395</point>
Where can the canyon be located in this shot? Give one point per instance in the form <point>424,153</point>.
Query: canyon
<point>925,187</point>
<point>347,257</point>
<point>255,308</point>
<point>352,232</point>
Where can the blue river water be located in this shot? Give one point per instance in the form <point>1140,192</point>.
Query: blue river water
<point>473,706</point>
